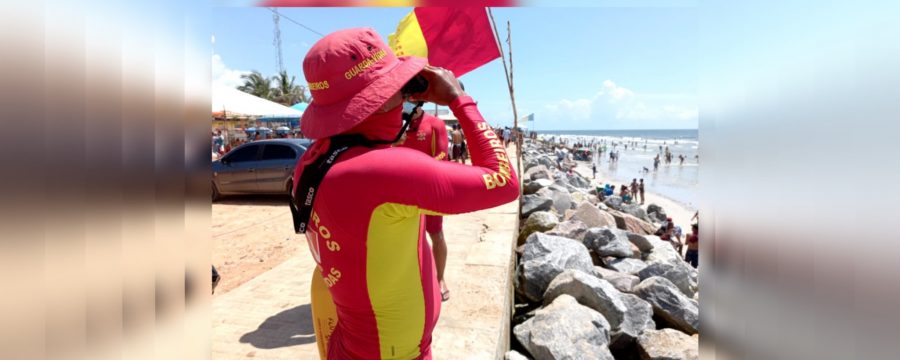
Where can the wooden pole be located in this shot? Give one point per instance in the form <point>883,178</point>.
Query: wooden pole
<point>512,95</point>
<point>509,81</point>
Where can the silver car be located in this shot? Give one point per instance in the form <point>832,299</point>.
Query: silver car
<point>259,167</point>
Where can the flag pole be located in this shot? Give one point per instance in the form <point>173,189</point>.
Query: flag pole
<point>509,81</point>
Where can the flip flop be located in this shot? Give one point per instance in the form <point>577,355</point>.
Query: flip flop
<point>445,295</point>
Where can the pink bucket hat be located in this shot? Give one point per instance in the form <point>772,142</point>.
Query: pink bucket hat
<point>351,73</point>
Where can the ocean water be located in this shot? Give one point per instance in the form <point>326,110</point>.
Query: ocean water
<point>675,180</point>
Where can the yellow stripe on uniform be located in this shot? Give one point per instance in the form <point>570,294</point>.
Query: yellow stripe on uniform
<point>324,312</point>
<point>408,40</point>
<point>394,280</point>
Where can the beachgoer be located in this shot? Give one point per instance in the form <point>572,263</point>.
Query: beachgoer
<point>428,134</point>
<point>676,234</point>
<point>457,144</point>
<point>641,190</point>
<point>507,136</point>
<point>375,292</point>
<point>667,232</point>
<point>693,247</point>
<point>560,155</point>
<point>634,188</point>
<point>594,168</point>
<point>623,192</point>
<point>218,143</point>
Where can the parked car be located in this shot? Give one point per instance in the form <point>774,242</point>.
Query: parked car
<point>258,167</point>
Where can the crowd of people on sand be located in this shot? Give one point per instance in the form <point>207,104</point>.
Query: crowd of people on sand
<point>634,193</point>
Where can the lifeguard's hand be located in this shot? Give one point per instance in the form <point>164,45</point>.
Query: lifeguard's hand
<point>443,87</point>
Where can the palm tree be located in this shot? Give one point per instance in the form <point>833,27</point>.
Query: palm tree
<point>285,92</point>
<point>257,85</point>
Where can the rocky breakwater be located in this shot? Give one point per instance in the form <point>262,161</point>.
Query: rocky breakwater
<point>591,281</point>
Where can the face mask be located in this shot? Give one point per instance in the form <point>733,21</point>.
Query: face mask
<point>383,128</point>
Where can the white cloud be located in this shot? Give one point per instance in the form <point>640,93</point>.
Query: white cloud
<point>615,92</point>
<point>224,76</point>
<point>617,107</point>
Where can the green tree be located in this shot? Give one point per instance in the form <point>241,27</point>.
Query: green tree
<point>286,92</point>
<point>257,85</point>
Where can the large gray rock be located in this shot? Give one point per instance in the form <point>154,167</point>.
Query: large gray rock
<point>662,252</point>
<point>572,189</point>
<point>636,211</point>
<point>533,186</point>
<point>565,330</point>
<point>626,266</point>
<point>640,241</point>
<point>530,187</point>
<point>592,216</point>
<point>514,355</point>
<point>670,304</point>
<point>562,201</point>
<point>621,281</point>
<point>632,224</point>
<point>534,203</point>
<point>579,182</point>
<point>572,229</point>
<point>545,257</point>
<point>543,182</point>
<point>613,201</point>
<point>539,221</point>
<point>559,186</point>
<point>537,172</point>
<point>628,315</point>
<point>679,273</point>
<point>579,197</point>
<point>547,162</point>
<point>659,211</point>
<point>608,242</point>
<point>668,344</point>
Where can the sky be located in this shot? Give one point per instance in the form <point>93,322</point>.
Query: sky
<point>573,68</point>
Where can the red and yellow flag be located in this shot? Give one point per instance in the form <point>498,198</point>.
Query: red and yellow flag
<point>457,39</point>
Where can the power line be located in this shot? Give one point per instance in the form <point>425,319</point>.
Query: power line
<point>295,22</point>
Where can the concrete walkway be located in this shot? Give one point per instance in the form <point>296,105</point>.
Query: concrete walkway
<point>269,317</point>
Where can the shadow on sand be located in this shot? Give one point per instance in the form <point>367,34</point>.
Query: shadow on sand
<point>287,328</point>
